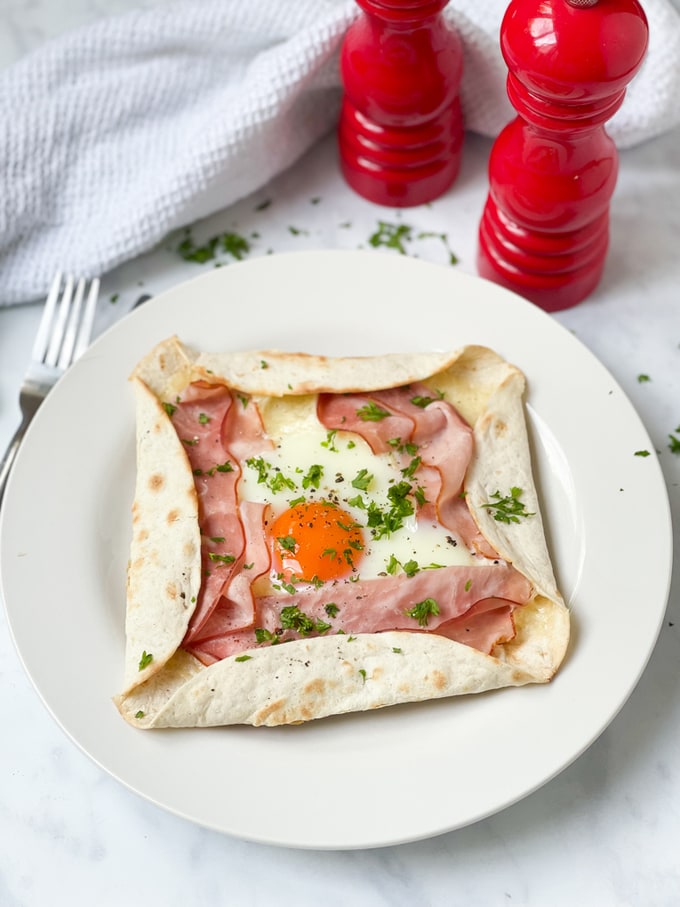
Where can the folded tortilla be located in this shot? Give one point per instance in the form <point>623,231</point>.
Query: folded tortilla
<point>318,676</point>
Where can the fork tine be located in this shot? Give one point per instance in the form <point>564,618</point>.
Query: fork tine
<point>42,337</point>
<point>65,356</point>
<point>60,324</point>
<point>85,332</point>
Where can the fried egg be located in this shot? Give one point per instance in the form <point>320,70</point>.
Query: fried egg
<point>332,505</point>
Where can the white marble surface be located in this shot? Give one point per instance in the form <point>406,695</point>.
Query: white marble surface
<point>604,832</point>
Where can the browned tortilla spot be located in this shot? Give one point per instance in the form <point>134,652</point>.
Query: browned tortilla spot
<point>173,516</point>
<point>271,709</point>
<point>438,680</point>
<point>171,590</point>
<point>156,482</point>
<point>315,687</point>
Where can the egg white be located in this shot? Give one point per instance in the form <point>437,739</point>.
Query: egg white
<point>342,455</point>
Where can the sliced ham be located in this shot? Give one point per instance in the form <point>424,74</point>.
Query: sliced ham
<point>218,431</point>
<point>473,605</point>
<point>443,438</point>
<point>374,605</point>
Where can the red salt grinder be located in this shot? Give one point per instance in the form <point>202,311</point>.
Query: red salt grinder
<point>400,134</point>
<point>544,231</point>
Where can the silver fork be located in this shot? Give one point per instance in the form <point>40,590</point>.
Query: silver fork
<point>63,335</point>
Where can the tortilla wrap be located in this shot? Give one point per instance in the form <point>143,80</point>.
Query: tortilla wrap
<point>315,677</point>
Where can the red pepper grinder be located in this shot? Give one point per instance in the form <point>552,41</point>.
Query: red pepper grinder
<point>545,228</point>
<point>401,129</point>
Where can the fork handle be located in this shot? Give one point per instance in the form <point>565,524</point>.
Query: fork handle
<point>10,455</point>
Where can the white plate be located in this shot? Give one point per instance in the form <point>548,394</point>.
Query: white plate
<point>369,779</point>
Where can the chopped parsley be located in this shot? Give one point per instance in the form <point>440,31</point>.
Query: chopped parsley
<point>371,412</point>
<point>145,660</point>
<point>287,542</point>
<point>423,610</point>
<point>221,467</point>
<point>411,468</point>
<point>453,258</point>
<point>642,379</point>
<point>189,251</point>
<point>331,609</point>
<point>363,674</point>
<point>221,558</point>
<point>235,245</point>
<point>275,483</point>
<point>329,443</point>
<point>232,243</point>
<point>170,408</point>
<point>139,714</point>
<point>361,481</point>
<point>423,401</point>
<point>642,453</point>
<point>313,476</point>
<point>393,236</point>
<point>384,522</point>
<point>410,449</point>
<point>292,618</point>
<point>204,419</point>
<point>508,509</point>
<point>243,658</point>
<point>674,443</point>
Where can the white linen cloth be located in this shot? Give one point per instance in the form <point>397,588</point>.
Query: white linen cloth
<point>115,134</point>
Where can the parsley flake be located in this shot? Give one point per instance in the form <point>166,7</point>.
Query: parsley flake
<point>371,412</point>
<point>221,558</point>
<point>145,660</point>
<point>392,236</point>
<point>362,480</point>
<point>508,509</point>
<point>423,610</point>
<point>313,476</point>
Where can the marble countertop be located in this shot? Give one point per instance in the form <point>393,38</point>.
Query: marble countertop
<point>604,832</point>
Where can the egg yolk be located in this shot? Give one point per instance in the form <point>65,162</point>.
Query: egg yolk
<point>317,540</point>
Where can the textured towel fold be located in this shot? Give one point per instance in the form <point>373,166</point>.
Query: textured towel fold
<point>118,133</point>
